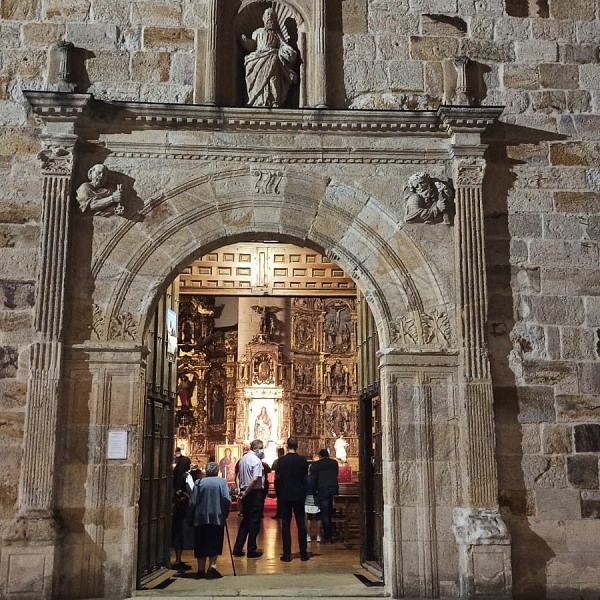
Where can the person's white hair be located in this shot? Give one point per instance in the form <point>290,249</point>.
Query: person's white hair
<point>212,469</point>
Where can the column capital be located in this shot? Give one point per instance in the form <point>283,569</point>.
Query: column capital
<point>57,155</point>
<point>469,172</point>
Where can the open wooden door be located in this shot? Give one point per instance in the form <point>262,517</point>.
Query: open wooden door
<point>371,482</point>
<point>156,490</point>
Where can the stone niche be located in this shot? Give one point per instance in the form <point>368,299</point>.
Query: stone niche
<point>220,71</point>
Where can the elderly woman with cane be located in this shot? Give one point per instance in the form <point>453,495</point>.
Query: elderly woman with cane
<point>208,512</point>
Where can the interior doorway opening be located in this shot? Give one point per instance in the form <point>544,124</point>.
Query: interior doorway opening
<point>261,340</point>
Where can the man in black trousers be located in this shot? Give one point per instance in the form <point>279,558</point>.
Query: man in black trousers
<point>291,471</point>
<point>251,478</point>
<point>324,474</point>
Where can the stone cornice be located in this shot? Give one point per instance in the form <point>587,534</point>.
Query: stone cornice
<point>53,107</point>
<point>447,120</point>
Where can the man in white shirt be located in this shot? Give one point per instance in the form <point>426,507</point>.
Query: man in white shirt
<point>251,479</point>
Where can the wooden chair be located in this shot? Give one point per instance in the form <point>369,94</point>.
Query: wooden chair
<point>346,519</point>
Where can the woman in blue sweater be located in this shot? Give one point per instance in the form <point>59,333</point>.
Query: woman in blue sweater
<point>208,512</point>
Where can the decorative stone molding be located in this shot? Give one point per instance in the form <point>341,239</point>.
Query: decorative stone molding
<point>461,94</point>
<point>418,330</point>
<point>267,181</point>
<point>443,122</point>
<point>470,173</point>
<point>123,327</point>
<point>479,526</point>
<point>57,159</point>
<point>97,322</point>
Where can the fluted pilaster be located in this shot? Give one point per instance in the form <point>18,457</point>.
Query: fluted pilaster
<point>211,54</point>
<point>36,486</point>
<point>471,287</point>
<point>320,81</point>
<point>481,534</point>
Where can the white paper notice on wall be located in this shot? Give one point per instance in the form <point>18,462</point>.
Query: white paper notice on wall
<point>117,445</point>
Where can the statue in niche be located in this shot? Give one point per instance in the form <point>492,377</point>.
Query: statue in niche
<point>263,426</point>
<point>298,418</point>
<point>93,195</point>
<point>338,420</point>
<point>269,66</point>
<point>217,406</point>
<point>337,328</point>
<point>338,378</point>
<point>268,320</point>
<point>427,200</point>
<point>185,389</point>
<point>340,446</point>
<point>307,418</point>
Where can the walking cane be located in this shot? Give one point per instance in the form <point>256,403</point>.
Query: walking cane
<point>230,552</point>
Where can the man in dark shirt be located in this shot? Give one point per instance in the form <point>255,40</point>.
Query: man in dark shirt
<point>280,453</point>
<point>291,471</point>
<point>325,478</point>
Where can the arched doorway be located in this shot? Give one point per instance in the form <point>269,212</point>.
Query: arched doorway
<point>424,285</point>
<point>301,321</point>
<point>404,294</point>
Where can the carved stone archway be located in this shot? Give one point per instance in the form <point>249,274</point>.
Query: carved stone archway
<point>206,178</point>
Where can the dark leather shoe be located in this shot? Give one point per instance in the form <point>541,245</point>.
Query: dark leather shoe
<point>239,553</point>
<point>304,557</point>
<point>285,558</point>
<point>255,554</point>
<point>200,575</point>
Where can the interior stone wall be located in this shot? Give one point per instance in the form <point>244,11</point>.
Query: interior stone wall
<point>542,200</point>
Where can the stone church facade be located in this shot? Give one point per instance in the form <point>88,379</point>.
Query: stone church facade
<point>443,153</point>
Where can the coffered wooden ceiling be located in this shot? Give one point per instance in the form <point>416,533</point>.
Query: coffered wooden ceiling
<point>265,268</point>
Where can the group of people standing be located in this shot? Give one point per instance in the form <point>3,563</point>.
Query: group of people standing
<point>293,485</point>
<point>296,486</point>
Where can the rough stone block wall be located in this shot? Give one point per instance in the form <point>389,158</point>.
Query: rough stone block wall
<point>540,59</point>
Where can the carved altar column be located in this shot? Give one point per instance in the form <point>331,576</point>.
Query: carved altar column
<point>320,76</point>
<point>30,544</point>
<point>482,537</point>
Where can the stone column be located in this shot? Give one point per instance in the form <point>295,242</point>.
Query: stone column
<point>205,86</point>
<point>210,96</point>
<point>320,62</point>
<point>484,543</point>
<point>30,543</point>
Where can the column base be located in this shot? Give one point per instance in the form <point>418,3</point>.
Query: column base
<point>29,551</point>
<point>484,553</point>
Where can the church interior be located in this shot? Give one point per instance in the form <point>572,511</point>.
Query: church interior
<point>280,362</point>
